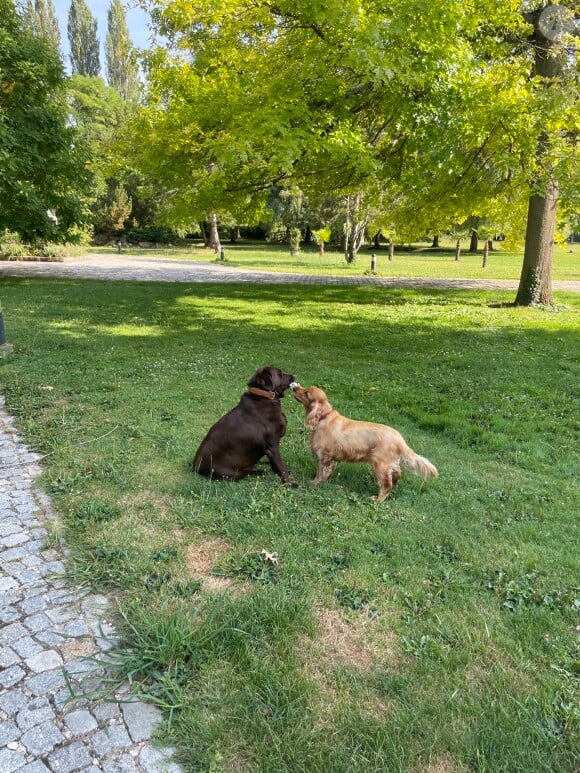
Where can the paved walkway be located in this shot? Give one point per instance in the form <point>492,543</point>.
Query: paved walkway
<point>47,630</point>
<point>130,267</point>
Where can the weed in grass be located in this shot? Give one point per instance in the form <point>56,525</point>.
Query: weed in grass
<point>530,590</point>
<point>92,511</point>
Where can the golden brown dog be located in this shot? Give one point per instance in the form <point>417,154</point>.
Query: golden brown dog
<point>334,438</point>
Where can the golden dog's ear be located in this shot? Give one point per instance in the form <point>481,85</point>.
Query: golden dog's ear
<point>313,415</point>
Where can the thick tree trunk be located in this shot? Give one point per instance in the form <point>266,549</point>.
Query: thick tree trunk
<point>391,250</point>
<point>473,242</point>
<point>536,277</point>
<point>214,237</point>
<point>458,249</point>
<point>435,241</point>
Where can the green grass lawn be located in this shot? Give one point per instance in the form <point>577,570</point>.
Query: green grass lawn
<point>433,632</point>
<point>421,263</point>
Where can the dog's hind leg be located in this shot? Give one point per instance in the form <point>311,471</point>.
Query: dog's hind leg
<point>386,478</point>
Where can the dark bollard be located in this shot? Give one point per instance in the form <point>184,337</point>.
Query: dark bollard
<point>222,254</point>
<point>373,262</point>
<point>119,247</point>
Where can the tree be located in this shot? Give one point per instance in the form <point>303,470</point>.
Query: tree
<point>40,17</point>
<point>83,40</point>
<point>551,27</point>
<point>45,180</point>
<point>122,70</point>
<point>430,101</point>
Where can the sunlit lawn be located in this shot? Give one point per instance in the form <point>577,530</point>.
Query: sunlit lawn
<point>422,263</point>
<point>434,632</point>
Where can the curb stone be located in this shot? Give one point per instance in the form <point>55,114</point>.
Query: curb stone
<point>44,625</point>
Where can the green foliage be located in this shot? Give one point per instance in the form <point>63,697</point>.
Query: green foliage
<point>152,233</point>
<point>44,180</point>
<point>83,40</point>
<point>122,69</point>
<point>40,17</point>
<point>112,210</point>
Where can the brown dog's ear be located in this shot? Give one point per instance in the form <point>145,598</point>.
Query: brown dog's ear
<point>264,378</point>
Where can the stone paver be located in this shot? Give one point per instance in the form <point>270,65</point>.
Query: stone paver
<point>40,617</point>
<point>131,267</point>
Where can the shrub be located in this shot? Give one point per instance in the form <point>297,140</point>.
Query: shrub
<point>152,233</point>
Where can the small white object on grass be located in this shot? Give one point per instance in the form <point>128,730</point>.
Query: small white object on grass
<point>294,384</point>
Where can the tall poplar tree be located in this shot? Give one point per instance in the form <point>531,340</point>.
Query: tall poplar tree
<point>40,18</point>
<point>122,71</point>
<point>83,40</point>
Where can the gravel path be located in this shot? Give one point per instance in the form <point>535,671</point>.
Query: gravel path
<point>131,267</point>
<point>47,629</point>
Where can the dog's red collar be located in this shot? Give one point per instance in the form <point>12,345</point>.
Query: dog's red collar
<point>325,415</point>
<point>262,393</point>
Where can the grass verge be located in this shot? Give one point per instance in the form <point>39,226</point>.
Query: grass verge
<point>433,632</point>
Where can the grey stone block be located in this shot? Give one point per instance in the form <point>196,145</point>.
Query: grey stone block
<point>44,661</point>
<point>80,722</point>
<point>158,760</point>
<point>26,646</point>
<point>31,606</point>
<point>8,657</point>
<point>112,739</point>
<point>8,732</point>
<point>37,712</point>
<point>9,614</point>
<point>123,764</point>
<point>8,583</point>
<point>11,676</point>
<point>17,538</point>
<point>12,702</point>
<point>34,767</point>
<point>42,739</point>
<point>46,683</point>
<point>141,719</point>
<point>11,633</point>
<point>74,756</point>
<point>11,760</point>
<point>38,622</point>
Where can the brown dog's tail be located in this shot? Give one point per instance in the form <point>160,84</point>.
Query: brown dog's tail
<point>418,464</point>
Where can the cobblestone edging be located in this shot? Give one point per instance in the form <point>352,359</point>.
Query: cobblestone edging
<point>45,630</point>
<point>137,268</point>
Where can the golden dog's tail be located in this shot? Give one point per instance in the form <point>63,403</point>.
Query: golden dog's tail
<point>418,464</point>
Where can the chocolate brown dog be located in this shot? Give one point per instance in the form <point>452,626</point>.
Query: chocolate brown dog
<point>251,430</point>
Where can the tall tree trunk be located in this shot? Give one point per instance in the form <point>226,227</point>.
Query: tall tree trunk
<point>485,253</point>
<point>458,249</point>
<point>391,250</point>
<point>536,277</point>
<point>214,236</point>
<point>435,241</point>
<point>473,242</point>
<point>354,227</point>
<point>204,235</point>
